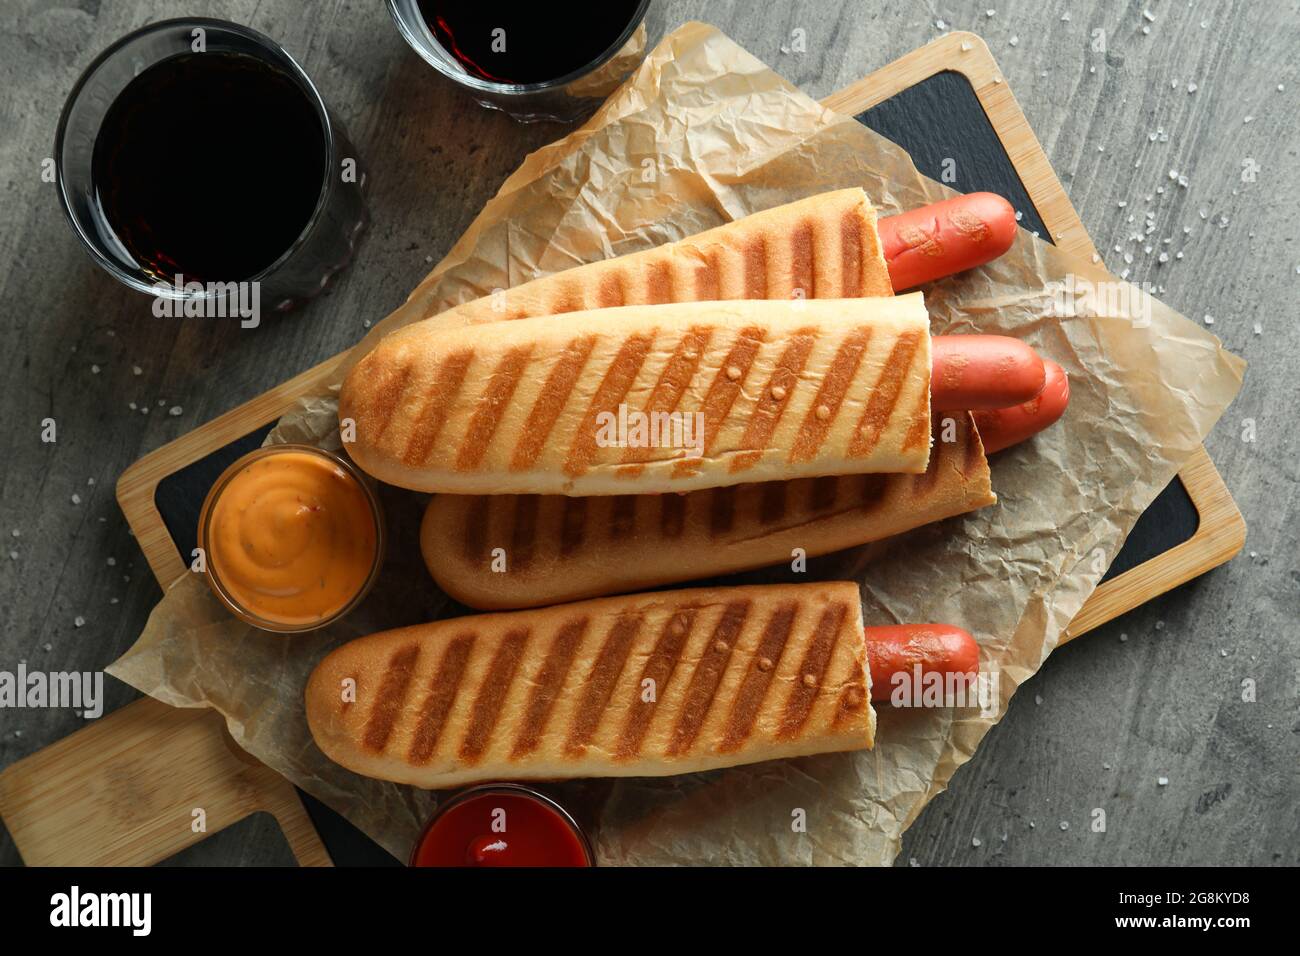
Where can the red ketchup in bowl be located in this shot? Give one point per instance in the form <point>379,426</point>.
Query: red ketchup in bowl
<point>502,825</point>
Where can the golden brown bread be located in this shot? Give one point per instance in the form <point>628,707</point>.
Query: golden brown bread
<point>822,247</point>
<point>644,685</point>
<point>736,391</point>
<point>553,548</point>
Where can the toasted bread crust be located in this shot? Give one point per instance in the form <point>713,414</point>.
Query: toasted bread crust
<point>558,549</point>
<point>822,247</point>
<point>737,392</point>
<point>645,685</point>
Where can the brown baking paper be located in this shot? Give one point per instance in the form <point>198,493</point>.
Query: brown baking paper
<point>725,136</point>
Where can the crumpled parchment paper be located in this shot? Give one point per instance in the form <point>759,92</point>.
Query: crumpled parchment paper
<point>725,136</point>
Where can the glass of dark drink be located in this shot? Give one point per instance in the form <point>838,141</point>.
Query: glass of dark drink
<point>198,163</point>
<point>535,61</point>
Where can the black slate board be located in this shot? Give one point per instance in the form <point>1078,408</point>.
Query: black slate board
<point>937,119</point>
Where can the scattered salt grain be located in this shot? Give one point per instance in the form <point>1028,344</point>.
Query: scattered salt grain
<point>1209,320</point>
<point>1123,638</point>
<point>76,499</point>
<point>1064,825</point>
<point>1162,781</point>
<point>1150,17</point>
<point>174,411</point>
<point>1192,87</point>
<point>79,621</point>
<point>1014,41</point>
<point>975,841</point>
<point>136,370</point>
<point>112,562</point>
<point>94,370</point>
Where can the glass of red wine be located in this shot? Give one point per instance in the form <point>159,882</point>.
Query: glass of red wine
<point>198,163</point>
<point>534,61</point>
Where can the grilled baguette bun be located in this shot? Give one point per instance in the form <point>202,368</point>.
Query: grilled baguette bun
<point>822,247</point>
<point>536,406</point>
<point>563,549</point>
<point>637,686</point>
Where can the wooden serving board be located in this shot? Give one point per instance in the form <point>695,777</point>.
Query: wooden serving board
<point>947,99</point>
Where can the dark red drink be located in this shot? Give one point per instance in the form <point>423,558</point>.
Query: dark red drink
<point>527,43</point>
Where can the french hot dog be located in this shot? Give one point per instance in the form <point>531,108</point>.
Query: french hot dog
<point>646,399</point>
<point>898,648</point>
<point>644,685</point>
<point>1001,428</point>
<point>945,238</point>
<point>509,551</point>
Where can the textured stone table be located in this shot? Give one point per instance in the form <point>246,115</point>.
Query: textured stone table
<point>1142,718</point>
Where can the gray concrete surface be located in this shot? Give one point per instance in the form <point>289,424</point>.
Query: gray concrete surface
<point>1153,697</point>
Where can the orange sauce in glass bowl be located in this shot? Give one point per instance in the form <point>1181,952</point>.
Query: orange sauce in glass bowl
<point>292,537</point>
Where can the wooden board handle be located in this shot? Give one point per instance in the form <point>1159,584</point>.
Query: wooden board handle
<point>124,791</point>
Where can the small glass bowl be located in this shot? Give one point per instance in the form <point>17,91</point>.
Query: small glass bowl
<point>514,790</point>
<point>214,579</point>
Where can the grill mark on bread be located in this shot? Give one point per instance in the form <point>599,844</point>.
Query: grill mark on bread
<point>755,256</point>
<point>723,391</point>
<point>443,691</point>
<point>703,688</point>
<point>851,254</point>
<point>622,516</point>
<point>610,294</point>
<point>812,670</point>
<point>835,385</point>
<point>659,284</point>
<point>429,422</point>
<point>386,392</point>
<point>672,515</point>
<point>852,698</point>
<point>873,491</point>
<point>802,253</point>
<point>884,396</point>
<point>923,483</point>
<point>550,402</point>
<point>390,697</point>
<point>476,527</point>
<point>547,686</point>
<point>675,378</point>
<point>822,493</point>
<point>569,298</point>
<point>599,685</point>
<point>486,710</point>
<point>922,427</point>
<point>660,667</point>
<point>758,677</point>
<point>524,535</point>
<point>774,398</point>
<point>573,525</point>
<point>722,510</point>
<point>771,505</point>
<point>492,406</point>
<point>613,387</point>
<point>708,279</point>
